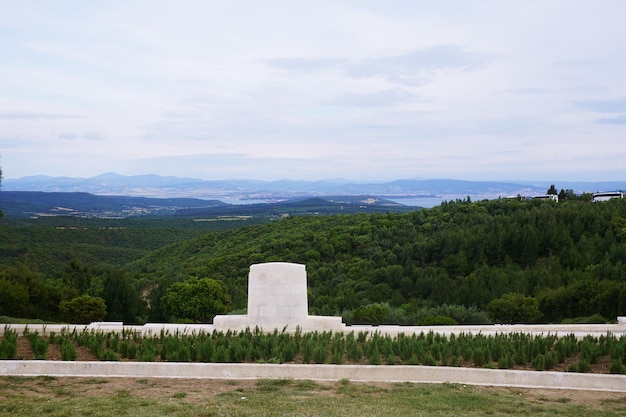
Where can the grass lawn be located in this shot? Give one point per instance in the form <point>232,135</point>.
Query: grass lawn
<point>22,396</point>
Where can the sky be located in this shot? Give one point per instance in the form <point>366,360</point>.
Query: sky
<point>367,90</point>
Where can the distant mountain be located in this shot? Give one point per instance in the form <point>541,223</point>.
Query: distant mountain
<point>158,186</point>
<point>167,187</point>
<point>43,204</point>
<point>35,204</point>
<point>109,183</point>
<point>300,206</point>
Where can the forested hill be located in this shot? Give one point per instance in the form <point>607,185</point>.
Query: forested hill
<point>19,204</point>
<point>570,256</point>
<point>567,258</point>
<point>37,204</point>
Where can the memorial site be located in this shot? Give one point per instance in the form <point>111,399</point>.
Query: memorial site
<point>278,316</point>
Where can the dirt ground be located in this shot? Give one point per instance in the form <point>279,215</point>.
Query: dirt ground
<point>198,391</point>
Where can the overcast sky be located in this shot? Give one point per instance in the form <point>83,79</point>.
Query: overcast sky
<point>356,89</point>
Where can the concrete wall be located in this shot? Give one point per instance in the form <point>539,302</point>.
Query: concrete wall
<point>322,323</point>
<point>363,373</point>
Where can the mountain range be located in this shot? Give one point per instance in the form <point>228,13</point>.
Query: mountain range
<point>241,189</point>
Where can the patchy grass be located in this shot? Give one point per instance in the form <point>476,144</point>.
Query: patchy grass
<point>286,397</point>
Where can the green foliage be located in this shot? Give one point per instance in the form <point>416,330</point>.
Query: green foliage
<point>617,367</point>
<point>84,309</point>
<point>39,346</point>
<point>282,398</point>
<point>197,299</point>
<point>27,293</point>
<point>514,308</point>
<point>569,256</point>
<point>48,244</point>
<point>121,297</point>
<point>438,321</point>
<point>591,299</point>
<point>8,344</point>
<point>504,351</point>
<point>457,254</point>
<point>370,314</point>
<point>594,319</point>
<point>68,351</point>
<point>13,298</point>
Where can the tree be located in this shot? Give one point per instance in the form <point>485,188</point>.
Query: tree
<point>77,275</point>
<point>568,194</point>
<point>552,190</point>
<point>372,314</point>
<point>83,310</point>
<point>514,308</point>
<point>13,298</point>
<point>1,213</point>
<point>122,299</point>
<point>198,300</point>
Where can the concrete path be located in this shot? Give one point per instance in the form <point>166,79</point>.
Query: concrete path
<point>361,373</point>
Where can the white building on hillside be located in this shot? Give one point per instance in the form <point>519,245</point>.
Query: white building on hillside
<point>607,195</point>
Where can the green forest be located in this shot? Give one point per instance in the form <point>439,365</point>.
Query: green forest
<point>505,260</point>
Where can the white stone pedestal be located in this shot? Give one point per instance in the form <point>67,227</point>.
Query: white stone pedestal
<point>277,299</point>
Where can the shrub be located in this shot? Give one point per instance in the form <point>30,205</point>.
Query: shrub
<point>83,310</point>
<point>479,357</point>
<point>539,363</point>
<point>461,314</point>
<point>8,346</point>
<point>437,321</point>
<point>371,314</point>
<point>582,366</point>
<point>506,361</point>
<point>109,355</point>
<point>320,354</point>
<point>38,345</point>
<point>68,351</point>
<point>617,367</point>
<point>514,308</point>
<point>595,319</point>
<point>307,350</point>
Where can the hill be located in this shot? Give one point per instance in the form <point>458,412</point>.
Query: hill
<point>460,253</point>
<point>33,204</point>
<point>158,186</point>
<point>79,204</point>
<point>452,260</point>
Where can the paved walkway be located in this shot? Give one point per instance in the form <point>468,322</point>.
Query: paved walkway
<point>361,373</point>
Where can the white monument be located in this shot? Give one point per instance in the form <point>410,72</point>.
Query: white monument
<point>277,299</point>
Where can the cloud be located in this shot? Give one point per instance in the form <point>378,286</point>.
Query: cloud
<point>617,120</point>
<point>306,65</point>
<point>530,91</point>
<point>419,66</point>
<point>355,88</point>
<point>35,115</point>
<point>603,106</point>
<point>81,136</point>
<point>416,67</point>
<point>374,99</point>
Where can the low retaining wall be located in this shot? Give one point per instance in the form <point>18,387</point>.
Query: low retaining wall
<point>579,330</point>
<point>360,373</point>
